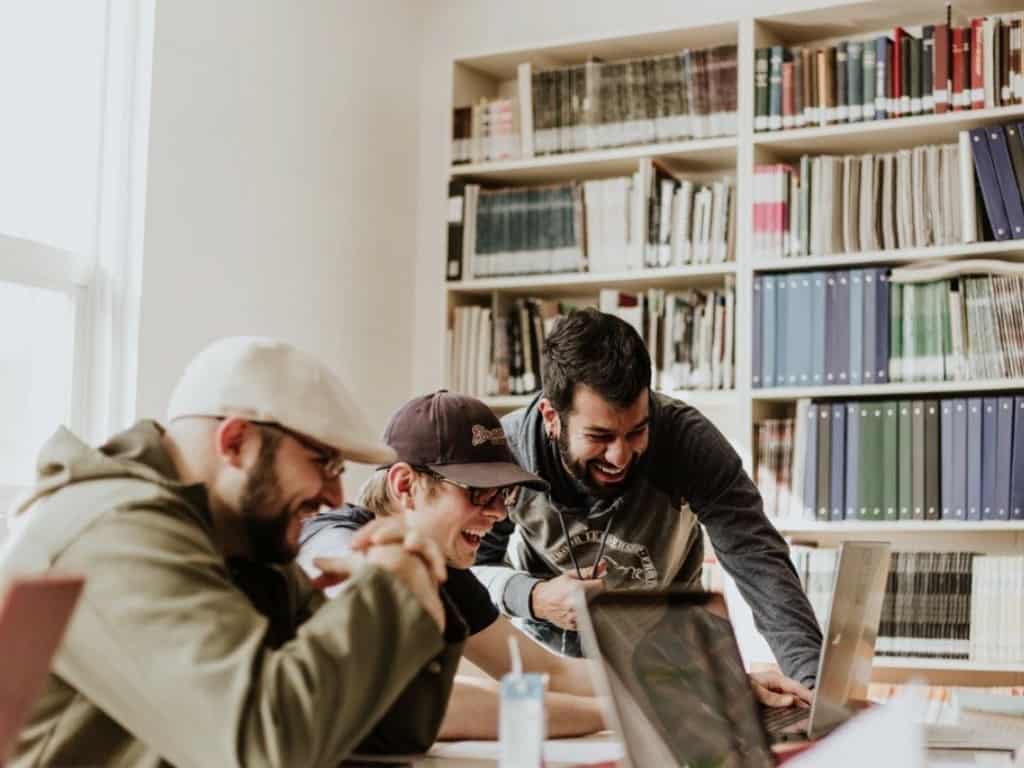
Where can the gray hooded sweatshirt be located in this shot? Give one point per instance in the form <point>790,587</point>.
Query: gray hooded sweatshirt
<point>688,474</point>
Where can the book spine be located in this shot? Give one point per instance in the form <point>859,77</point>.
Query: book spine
<point>927,69</point>
<point>761,62</point>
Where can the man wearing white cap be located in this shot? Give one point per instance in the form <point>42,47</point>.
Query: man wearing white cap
<point>171,657</point>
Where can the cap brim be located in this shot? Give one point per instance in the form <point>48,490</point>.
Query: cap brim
<point>490,474</point>
<point>368,453</point>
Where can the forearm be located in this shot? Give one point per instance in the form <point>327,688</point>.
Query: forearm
<point>756,556</point>
<point>474,709</point>
<point>509,589</point>
<point>572,677</point>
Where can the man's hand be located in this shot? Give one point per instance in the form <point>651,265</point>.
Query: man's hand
<point>553,600</point>
<point>393,558</point>
<point>395,530</point>
<point>773,689</point>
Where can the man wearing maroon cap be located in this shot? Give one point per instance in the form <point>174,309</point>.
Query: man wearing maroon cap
<point>453,480</point>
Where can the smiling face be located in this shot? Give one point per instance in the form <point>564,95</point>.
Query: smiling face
<point>444,512</point>
<point>598,441</point>
<point>286,485</point>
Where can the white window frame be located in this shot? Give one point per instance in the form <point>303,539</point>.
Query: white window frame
<point>105,285</point>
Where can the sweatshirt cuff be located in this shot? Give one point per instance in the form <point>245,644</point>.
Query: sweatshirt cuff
<point>517,595</point>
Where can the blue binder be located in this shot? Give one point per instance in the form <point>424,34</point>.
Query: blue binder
<point>882,285</point>
<point>1004,458</point>
<point>768,333</point>
<point>989,446</point>
<point>869,363</point>
<point>946,459</point>
<point>837,453</point>
<point>811,464</point>
<point>974,479</point>
<point>990,194</point>
<point>856,364</point>
<point>818,327</point>
<point>1006,180</point>
<point>957,468</point>
<point>758,321</point>
<point>782,342</point>
<point>852,460</point>
<point>1017,471</point>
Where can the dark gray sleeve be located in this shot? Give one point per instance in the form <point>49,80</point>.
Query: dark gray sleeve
<point>709,473</point>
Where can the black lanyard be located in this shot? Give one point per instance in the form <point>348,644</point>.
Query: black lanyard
<point>600,549</point>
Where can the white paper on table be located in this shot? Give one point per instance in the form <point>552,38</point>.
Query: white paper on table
<point>885,735</point>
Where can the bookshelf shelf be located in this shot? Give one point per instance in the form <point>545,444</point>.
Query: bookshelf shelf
<point>696,397</point>
<point>899,527</point>
<point>923,388</point>
<point>1012,250</point>
<point>894,669</point>
<point>589,282</point>
<point>707,154</point>
<point>883,135</point>
<point>897,662</point>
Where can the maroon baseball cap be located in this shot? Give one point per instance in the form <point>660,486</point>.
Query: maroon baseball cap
<point>459,438</point>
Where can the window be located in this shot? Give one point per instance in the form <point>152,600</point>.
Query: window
<point>76,79</point>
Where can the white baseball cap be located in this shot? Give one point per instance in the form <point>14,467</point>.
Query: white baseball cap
<point>262,379</point>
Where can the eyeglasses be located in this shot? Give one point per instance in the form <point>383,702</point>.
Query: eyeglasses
<point>481,497</point>
<point>331,463</point>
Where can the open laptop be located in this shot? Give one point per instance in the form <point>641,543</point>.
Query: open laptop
<point>848,644</point>
<point>669,664</point>
<point>34,612</point>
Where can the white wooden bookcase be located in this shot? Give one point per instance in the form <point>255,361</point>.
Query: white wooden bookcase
<point>735,412</point>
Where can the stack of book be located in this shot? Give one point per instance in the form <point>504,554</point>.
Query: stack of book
<point>486,131</point>
<point>648,220</point>
<point>997,609</point>
<point>916,70</point>
<point>959,458</point>
<point>498,353</point>
<point>516,231</point>
<point>938,605</point>
<point>689,94</point>
<point>826,205</point>
<point>821,328</point>
<point>913,198</point>
<point>859,326</point>
<point>689,335</point>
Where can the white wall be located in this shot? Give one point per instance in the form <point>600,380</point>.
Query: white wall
<point>281,192</point>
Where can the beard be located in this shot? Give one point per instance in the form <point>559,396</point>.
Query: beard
<point>264,515</point>
<point>580,471</point>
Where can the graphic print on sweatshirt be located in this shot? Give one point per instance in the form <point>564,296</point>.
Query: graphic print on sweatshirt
<point>629,564</point>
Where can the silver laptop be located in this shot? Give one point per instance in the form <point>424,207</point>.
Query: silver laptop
<point>669,665</point>
<point>848,644</point>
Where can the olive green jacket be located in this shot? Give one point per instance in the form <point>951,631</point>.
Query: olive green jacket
<point>166,660</point>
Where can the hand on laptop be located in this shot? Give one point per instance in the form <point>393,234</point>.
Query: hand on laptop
<point>552,600</point>
<point>773,689</point>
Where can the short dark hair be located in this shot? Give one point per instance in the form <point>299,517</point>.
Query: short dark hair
<point>598,350</point>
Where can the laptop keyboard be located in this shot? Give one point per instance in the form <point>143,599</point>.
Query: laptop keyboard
<point>777,718</point>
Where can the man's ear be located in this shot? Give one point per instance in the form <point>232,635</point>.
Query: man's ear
<point>552,423</point>
<point>401,478</point>
<point>231,436</point>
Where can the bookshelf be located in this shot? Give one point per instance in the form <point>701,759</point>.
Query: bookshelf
<point>737,410</point>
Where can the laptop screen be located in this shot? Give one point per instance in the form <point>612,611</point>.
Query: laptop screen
<point>34,611</point>
<point>673,671</point>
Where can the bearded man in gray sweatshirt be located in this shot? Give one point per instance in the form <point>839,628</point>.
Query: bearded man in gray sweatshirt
<point>631,474</point>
